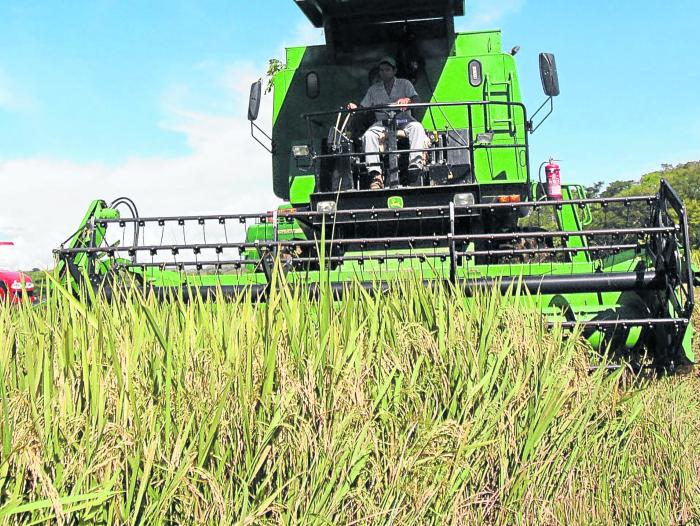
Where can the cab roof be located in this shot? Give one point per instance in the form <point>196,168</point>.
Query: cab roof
<point>363,11</point>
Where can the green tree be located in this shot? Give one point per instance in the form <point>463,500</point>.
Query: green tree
<point>273,67</point>
<point>616,188</point>
<point>685,180</point>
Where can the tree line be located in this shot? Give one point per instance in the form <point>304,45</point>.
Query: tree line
<point>684,178</point>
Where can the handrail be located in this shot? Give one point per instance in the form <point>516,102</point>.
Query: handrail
<point>416,105</point>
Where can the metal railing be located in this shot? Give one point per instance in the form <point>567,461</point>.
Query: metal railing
<point>470,109</point>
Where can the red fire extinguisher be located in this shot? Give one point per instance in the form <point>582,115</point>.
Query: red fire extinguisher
<point>553,175</point>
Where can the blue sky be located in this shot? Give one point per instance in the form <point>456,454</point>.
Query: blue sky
<point>90,80</point>
<point>107,97</point>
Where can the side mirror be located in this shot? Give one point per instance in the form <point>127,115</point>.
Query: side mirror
<point>548,73</point>
<point>254,100</point>
<point>253,110</point>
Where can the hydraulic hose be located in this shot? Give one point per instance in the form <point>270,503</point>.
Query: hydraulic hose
<point>134,214</point>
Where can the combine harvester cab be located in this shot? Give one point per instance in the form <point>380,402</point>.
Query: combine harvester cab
<point>473,216</point>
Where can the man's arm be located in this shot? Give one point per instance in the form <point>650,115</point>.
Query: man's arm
<point>410,94</point>
<point>365,103</point>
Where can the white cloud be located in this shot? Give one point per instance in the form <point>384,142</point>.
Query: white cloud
<point>486,14</point>
<point>225,172</point>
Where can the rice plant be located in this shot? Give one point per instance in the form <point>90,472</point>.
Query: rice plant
<point>413,407</point>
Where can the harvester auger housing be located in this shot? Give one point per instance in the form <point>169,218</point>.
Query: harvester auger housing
<point>472,219</point>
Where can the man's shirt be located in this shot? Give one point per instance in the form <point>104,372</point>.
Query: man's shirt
<point>377,95</point>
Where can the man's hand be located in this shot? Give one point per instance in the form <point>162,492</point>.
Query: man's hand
<point>351,106</point>
<point>402,103</point>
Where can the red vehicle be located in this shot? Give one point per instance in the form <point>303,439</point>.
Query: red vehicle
<point>15,286</point>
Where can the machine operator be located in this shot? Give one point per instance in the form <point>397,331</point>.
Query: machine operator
<point>390,90</point>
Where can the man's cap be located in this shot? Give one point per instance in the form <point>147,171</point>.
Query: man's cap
<point>388,60</point>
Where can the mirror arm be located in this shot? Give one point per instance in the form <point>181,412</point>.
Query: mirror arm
<point>254,127</point>
<point>531,127</point>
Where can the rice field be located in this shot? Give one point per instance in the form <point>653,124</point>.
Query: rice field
<point>414,407</point>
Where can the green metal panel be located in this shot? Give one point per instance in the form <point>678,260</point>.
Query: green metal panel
<point>295,56</point>
<point>283,78</point>
<point>478,43</point>
<point>688,343</point>
<point>500,84</point>
<point>301,189</point>
<point>97,209</point>
<point>570,220</point>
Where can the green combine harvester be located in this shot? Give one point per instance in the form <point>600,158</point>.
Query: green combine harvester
<point>471,214</point>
